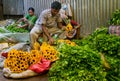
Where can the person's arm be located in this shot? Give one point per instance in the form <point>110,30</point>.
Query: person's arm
<point>26,23</point>
<point>45,31</point>
<point>42,21</point>
<point>51,40</point>
<point>24,19</point>
<point>23,26</point>
<point>21,19</point>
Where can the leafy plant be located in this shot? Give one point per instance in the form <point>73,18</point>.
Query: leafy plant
<point>101,41</point>
<point>13,28</point>
<point>108,44</point>
<point>77,64</point>
<point>114,73</point>
<point>115,20</point>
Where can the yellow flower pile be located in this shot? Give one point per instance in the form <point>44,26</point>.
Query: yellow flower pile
<point>49,52</point>
<point>35,57</point>
<point>69,27</point>
<point>67,42</point>
<point>17,61</point>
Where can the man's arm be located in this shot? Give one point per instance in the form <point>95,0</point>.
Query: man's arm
<point>51,40</point>
<point>45,31</point>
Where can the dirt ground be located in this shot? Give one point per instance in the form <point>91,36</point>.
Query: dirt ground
<point>36,78</point>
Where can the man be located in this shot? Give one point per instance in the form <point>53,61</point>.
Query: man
<point>48,23</point>
<point>28,21</point>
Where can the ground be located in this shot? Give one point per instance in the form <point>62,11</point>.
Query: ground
<point>36,78</point>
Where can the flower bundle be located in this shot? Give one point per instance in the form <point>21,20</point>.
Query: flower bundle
<point>35,56</point>
<point>69,27</point>
<point>17,61</point>
<point>49,52</point>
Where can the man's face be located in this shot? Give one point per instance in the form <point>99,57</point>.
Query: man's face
<point>54,12</point>
<point>31,12</point>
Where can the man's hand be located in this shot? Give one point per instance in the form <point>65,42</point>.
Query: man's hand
<point>51,41</point>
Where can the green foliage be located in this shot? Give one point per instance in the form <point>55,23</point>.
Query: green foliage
<point>114,73</point>
<point>13,29</point>
<point>103,42</point>
<point>77,64</point>
<point>110,46</point>
<point>91,39</point>
<point>115,20</point>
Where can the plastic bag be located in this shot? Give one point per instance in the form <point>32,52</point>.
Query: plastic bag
<point>4,30</point>
<point>6,37</point>
<point>19,46</point>
<point>3,45</point>
<point>114,29</point>
<point>41,67</point>
<point>2,59</point>
<point>14,37</point>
